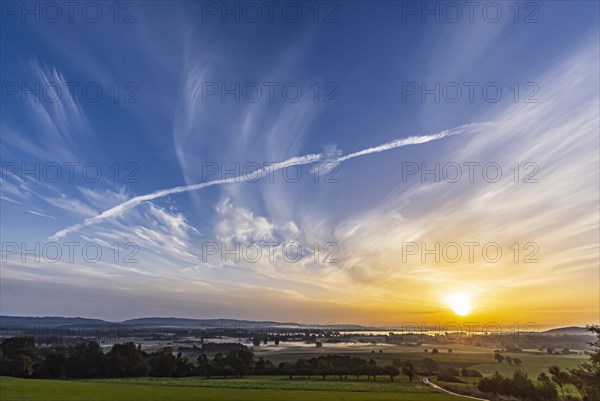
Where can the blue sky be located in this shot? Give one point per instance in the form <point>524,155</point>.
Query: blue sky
<point>363,57</point>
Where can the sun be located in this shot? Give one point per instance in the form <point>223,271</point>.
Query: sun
<point>460,303</point>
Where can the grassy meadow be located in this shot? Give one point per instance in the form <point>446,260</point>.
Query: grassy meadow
<point>462,356</point>
<point>472,357</point>
<point>300,388</point>
<point>248,389</point>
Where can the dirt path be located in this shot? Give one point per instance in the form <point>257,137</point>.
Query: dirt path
<point>435,386</point>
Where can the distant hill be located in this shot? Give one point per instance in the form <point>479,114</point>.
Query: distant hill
<point>208,323</point>
<point>50,321</point>
<point>572,330</point>
<point>176,322</point>
<point>183,322</point>
<point>157,322</point>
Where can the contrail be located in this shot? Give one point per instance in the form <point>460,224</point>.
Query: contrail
<point>297,160</point>
<point>415,140</point>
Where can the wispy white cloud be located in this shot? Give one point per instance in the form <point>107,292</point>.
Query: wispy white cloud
<point>57,118</point>
<point>40,214</point>
<point>559,213</point>
<point>71,205</point>
<point>294,161</point>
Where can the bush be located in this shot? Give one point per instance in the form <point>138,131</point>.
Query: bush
<point>519,386</point>
<point>470,373</point>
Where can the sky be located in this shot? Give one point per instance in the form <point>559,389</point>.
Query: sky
<point>377,163</point>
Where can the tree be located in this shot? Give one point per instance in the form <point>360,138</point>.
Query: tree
<point>492,384</point>
<point>124,360</point>
<point>543,377</point>
<point>287,369</point>
<point>520,386</point>
<point>53,366</point>
<point>409,370</point>
<point>304,367</point>
<point>221,366</point>
<point>241,361</point>
<point>586,377</point>
<point>517,361</point>
<point>508,359</point>
<point>182,366</point>
<point>499,358</point>
<point>358,367</point>
<point>12,347</point>
<point>435,351</point>
<point>19,356</point>
<point>163,363</point>
<point>390,371</point>
<point>374,371</point>
<point>341,371</point>
<point>23,366</point>
<point>560,377</point>
<point>85,360</point>
<point>547,391</point>
<point>205,367</point>
<point>323,368</point>
<point>429,366</point>
<point>263,367</point>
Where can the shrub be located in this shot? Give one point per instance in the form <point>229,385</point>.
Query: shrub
<point>470,373</point>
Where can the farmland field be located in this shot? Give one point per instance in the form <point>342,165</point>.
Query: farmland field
<point>251,389</point>
<point>299,388</point>
<point>481,359</point>
<point>463,356</point>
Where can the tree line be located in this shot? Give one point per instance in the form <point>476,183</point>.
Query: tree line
<point>585,378</point>
<point>19,357</point>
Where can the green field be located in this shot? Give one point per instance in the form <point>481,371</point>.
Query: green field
<point>470,357</point>
<point>251,389</point>
<point>281,388</point>
<point>481,359</point>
